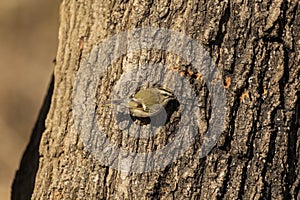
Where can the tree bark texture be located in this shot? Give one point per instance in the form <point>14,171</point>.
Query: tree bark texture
<point>255,45</point>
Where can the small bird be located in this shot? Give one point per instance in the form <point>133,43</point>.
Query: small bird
<point>148,102</point>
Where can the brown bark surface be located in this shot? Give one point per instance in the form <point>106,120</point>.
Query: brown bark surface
<point>255,46</point>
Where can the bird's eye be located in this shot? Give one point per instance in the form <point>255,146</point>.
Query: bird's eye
<point>168,96</point>
<point>165,94</point>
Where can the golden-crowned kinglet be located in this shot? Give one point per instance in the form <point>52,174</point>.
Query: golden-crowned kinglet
<point>149,101</point>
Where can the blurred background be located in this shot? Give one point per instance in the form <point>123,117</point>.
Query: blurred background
<point>28,44</point>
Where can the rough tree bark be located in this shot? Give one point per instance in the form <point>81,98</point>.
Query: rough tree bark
<point>255,46</point>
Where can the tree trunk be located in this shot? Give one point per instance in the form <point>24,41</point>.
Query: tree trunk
<point>233,132</point>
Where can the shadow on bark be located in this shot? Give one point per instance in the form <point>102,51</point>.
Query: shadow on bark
<point>23,184</point>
